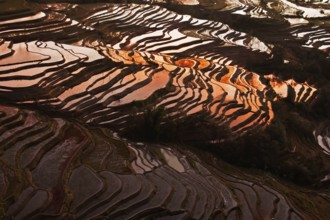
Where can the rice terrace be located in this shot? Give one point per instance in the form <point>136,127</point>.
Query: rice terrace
<point>165,109</point>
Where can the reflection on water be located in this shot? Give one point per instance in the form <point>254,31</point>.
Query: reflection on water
<point>172,160</point>
<point>145,66</point>
<point>230,94</point>
<point>322,136</point>
<point>93,173</point>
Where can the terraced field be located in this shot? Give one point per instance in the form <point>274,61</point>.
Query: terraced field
<point>128,110</point>
<point>53,168</point>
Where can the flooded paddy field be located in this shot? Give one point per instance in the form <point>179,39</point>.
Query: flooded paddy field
<point>164,109</point>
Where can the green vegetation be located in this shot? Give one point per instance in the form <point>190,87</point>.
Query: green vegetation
<point>154,124</point>
<point>286,147</point>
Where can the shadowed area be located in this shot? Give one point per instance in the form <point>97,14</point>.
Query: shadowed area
<point>55,162</point>
<point>128,109</point>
